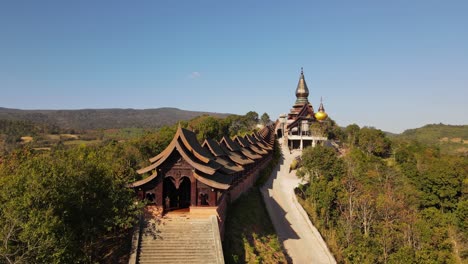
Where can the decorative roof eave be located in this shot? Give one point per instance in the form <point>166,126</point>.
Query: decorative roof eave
<point>245,149</point>
<point>236,157</point>
<point>251,139</point>
<point>184,135</point>
<point>250,147</point>
<point>175,145</point>
<point>163,155</point>
<point>192,163</point>
<point>164,152</point>
<point>228,166</point>
<point>249,154</point>
<point>255,146</point>
<point>241,141</point>
<point>214,147</point>
<point>144,181</point>
<point>267,135</point>
<point>261,139</point>
<point>211,182</point>
<point>264,146</point>
<point>256,150</point>
<point>264,132</point>
<point>230,144</point>
<point>191,143</point>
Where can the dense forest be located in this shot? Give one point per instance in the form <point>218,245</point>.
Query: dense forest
<point>86,119</point>
<point>450,139</point>
<point>71,205</point>
<point>382,200</point>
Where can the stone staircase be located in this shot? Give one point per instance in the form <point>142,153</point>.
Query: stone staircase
<point>180,239</point>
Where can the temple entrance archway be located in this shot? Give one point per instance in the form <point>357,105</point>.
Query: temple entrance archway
<point>176,194</point>
<point>184,192</point>
<point>170,194</point>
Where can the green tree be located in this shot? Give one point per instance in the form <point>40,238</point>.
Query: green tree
<point>441,184</point>
<point>373,141</point>
<point>206,127</point>
<point>251,119</point>
<point>352,134</point>
<point>67,206</point>
<point>320,162</point>
<point>265,119</point>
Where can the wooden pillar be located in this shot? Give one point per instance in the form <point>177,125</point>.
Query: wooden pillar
<point>212,197</point>
<point>159,193</point>
<point>193,193</point>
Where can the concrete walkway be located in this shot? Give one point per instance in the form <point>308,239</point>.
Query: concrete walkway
<point>302,241</point>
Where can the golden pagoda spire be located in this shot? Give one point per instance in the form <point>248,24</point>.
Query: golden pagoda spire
<point>321,115</point>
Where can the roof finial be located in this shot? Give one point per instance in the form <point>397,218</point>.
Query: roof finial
<point>321,108</point>
<point>302,70</point>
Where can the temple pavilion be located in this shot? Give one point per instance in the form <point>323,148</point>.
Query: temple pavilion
<point>191,176</point>
<point>294,128</point>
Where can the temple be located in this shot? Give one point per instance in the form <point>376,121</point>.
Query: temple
<point>203,177</point>
<point>294,128</point>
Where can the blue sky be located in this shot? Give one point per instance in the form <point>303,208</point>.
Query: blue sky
<point>389,64</point>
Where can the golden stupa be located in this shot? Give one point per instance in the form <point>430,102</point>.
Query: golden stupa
<point>321,115</point>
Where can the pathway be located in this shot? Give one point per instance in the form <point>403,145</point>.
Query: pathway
<point>302,241</point>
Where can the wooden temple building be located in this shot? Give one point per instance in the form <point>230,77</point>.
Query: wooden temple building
<point>294,128</point>
<point>203,178</point>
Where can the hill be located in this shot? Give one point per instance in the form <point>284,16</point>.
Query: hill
<point>450,138</point>
<point>85,119</point>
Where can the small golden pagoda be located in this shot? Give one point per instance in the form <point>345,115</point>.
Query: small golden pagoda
<point>321,114</point>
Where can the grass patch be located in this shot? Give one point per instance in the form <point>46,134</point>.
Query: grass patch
<point>250,236</point>
<point>79,142</point>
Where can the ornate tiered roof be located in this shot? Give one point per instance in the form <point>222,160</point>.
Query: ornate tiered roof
<point>234,146</point>
<point>306,113</point>
<point>246,144</point>
<point>215,164</point>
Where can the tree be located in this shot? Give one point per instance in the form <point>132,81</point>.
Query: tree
<point>265,119</point>
<point>66,206</point>
<point>352,134</point>
<point>373,141</point>
<point>441,183</point>
<point>251,119</point>
<point>206,127</point>
<point>320,162</point>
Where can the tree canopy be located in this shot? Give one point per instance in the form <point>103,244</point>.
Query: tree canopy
<point>387,202</point>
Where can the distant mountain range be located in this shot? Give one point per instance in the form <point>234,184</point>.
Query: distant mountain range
<point>104,118</point>
<point>434,133</point>
<point>450,138</point>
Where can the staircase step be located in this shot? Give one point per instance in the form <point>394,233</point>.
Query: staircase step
<point>178,239</point>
